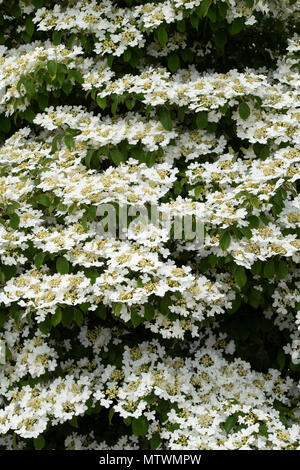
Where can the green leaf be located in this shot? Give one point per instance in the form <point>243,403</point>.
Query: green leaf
<point>164,304</point>
<point>127,55</point>
<point>45,326</point>
<point>43,101</point>
<point>225,240</point>
<point>256,268</point>
<point>180,26</point>
<point>230,423</point>
<point>155,441</point>
<point>282,270</point>
<point>38,3</point>
<point>269,269</point>
<point>118,309</point>
<point>250,3</point>
<point>194,21</point>
<point>261,150</point>
<point>240,276</point>
<point>29,86</point>
<point>62,265</point>
<point>67,317</point>
<point>204,7</point>
<point>149,312</point>
<point>162,35</point>
<point>101,312</point>
<point>43,199</point>
<point>129,104</point>
<point>140,426</point>
<point>165,118</point>
<point>263,430</point>
<point>114,107</point>
<point>56,38</point>
<point>255,298</point>
<point>29,115</point>
<point>74,422</point>
<point>29,26</point>
<point>57,317</point>
<point>110,415</point>
<point>236,26</point>
<point>88,157</point>
<point>16,11</point>
<point>52,68</point>
<point>235,305</point>
<point>39,259</point>
<point>244,110</point>
<point>253,221</point>
<point>14,221</point>
<point>101,102</point>
<point>116,156</point>
<point>39,442</point>
<point>280,358</point>
<point>69,141</point>
<point>173,62</point>
<point>201,120</point>
<point>127,421</point>
<point>136,320</point>
<point>78,317</point>
<point>76,75</point>
<point>198,190</point>
<point>246,231</point>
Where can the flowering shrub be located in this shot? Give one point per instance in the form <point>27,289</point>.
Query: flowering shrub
<point>149,234</point>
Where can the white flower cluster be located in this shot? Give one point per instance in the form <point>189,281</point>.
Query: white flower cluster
<point>203,390</point>
<point>116,29</point>
<point>24,60</point>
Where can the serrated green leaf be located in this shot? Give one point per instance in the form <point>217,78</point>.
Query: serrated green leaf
<point>52,67</point>
<point>69,141</point>
<point>282,269</point>
<point>149,312</point>
<point>136,320</point>
<point>39,442</point>
<point>244,110</point>
<point>110,415</point>
<point>14,221</point>
<point>29,26</point>
<point>230,423</point>
<point>56,38</point>
<point>201,120</point>
<point>280,358</point>
<point>240,276</point>
<point>101,102</point>
<point>140,426</point>
<point>269,269</point>
<point>118,309</point>
<point>155,441</point>
<point>173,62</point>
<point>165,118</point>
<point>39,259</point>
<point>44,200</point>
<point>162,35</point>
<point>62,265</point>
<point>78,317</point>
<point>57,317</point>
<point>236,26</point>
<point>116,156</point>
<point>225,240</point>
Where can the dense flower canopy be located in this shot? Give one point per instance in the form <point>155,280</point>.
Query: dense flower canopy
<point>135,115</point>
